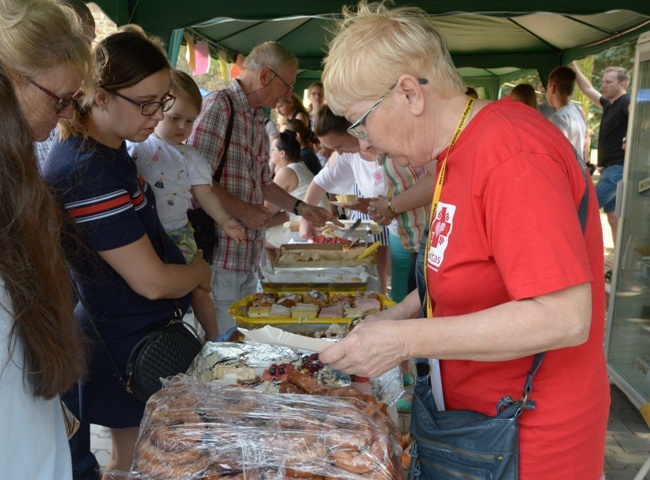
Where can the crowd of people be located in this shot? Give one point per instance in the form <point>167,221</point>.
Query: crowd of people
<point>105,148</point>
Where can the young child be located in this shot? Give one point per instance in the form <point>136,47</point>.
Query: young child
<point>176,172</point>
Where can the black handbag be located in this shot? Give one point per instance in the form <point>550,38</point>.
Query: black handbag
<point>160,354</point>
<point>455,444</point>
<point>205,232</point>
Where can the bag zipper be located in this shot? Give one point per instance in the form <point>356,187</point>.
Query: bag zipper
<point>450,473</point>
<point>465,453</point>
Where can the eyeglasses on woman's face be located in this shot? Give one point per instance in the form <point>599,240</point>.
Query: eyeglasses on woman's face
<point>357,130</point>
<point>61,103</point>
<point>149,108</point>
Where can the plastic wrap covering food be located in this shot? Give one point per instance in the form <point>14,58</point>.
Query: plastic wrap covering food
<point>202,430</point>
<point>248,364</point>
<point>389,387</point>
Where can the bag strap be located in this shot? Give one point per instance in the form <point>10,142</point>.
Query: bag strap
<point>584,201</point>
<point>423,369</point>
<point>222,162</point>
<point>118,376</point>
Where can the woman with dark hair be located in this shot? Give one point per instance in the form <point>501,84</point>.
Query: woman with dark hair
<point>293,176</point>
<point>307,140</point>
<point>43,60</point>
<point>130,275</point>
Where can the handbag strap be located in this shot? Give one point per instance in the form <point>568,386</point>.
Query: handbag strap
<point>528,386</point>
<point>423,368</point>
<point>222,162</point>
<point>118,376</point>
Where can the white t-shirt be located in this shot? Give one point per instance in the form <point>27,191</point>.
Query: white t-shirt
<point>340,177</point>
<point>348,168</point>
<point>33,443</point>
<point>569,120</point>
<point>171,170</point>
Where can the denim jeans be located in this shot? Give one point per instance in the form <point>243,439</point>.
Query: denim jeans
<point>606,187</point>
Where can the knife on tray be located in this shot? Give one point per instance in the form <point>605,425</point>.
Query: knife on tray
<point>349,231</point>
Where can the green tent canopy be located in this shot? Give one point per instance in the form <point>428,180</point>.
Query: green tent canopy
<point>490,41</point>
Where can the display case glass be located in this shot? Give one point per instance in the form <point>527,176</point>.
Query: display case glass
<point>628,322</point>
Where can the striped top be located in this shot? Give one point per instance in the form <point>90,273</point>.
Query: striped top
<point>410,224</point>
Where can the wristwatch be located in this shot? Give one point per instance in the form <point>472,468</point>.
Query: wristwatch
<point>390,208</point>
<point>295,207</point>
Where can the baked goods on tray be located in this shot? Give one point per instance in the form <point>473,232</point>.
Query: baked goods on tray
<point>314,304</point>
<point>202,430</point>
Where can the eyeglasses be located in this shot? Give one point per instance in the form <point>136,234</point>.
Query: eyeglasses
<point>355,130</point>
<point>289,87</point>
<point>61,103</point>
<point>149,108</point>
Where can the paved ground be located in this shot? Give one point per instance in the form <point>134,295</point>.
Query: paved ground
<point>628,439</point>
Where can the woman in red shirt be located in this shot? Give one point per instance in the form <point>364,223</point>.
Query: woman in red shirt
<point>510,272</point>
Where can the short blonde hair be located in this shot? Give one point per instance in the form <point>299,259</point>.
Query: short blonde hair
<point>621,74</point>
<point>272,55</point>
<point>183,85</point>
<point>374,46</point>
<point>36,35</point>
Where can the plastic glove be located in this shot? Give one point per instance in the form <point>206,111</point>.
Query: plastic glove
<point>224,337</point>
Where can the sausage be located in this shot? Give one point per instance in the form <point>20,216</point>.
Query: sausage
<point>307,383</point>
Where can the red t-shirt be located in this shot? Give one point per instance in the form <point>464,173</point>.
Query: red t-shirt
<point>507,229</point>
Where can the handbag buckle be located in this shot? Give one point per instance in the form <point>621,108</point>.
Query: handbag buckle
<point>524,403</point>
<point>127,384</point>
<point>420,369</point>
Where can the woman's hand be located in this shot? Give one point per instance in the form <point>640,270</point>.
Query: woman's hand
<point>382,315</point>
<point>361,205</point>
<point>379,212</point>
<point>370,349</point>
